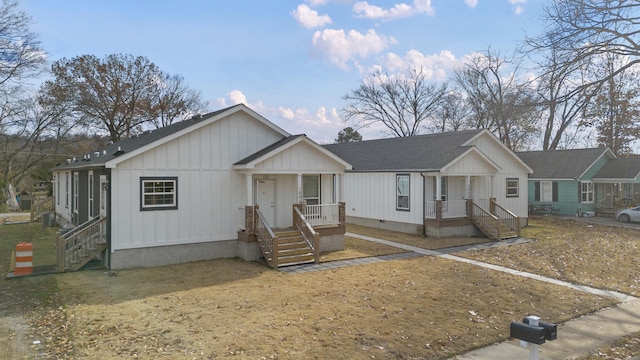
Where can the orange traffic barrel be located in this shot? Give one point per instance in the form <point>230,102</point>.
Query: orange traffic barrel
<point>24,259</point>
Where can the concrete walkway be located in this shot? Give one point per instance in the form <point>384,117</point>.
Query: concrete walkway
<point>575,338</point>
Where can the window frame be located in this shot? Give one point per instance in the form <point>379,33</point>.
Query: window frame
<point>588,192</point>
<point>516,188</point>
<point>164,179</point>
<point>90,186</point>
<point>407,195</point>
<point>315,200</point>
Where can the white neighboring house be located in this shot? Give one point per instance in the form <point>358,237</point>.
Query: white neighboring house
<point>190,191</point>
<point>449,184</point>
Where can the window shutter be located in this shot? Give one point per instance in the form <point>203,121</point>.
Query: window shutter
<point>579,192</point>
<point>537,191</point>
<point>555,192</point>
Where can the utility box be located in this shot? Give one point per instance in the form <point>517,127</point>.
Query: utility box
<point>529,333</point>
<point>47,219</point>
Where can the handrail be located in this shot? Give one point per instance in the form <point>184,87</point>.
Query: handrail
<point>509,218</point>
<point>80,227</point>
<point>486,221</point>
<point>268,239</point>
<point>322,214</point>
<point>38,207</point>
<point>78,247</point>
<point>306,230</point>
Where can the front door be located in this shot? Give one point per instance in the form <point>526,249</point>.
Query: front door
<point>266,200</point>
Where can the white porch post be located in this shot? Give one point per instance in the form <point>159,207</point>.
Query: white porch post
<point>438,194</point>
<point>248,178</point>
<point>493,190</point>
<point>299,188</point>
<point>467,187</point>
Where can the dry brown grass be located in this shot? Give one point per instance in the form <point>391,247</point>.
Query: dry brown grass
<point>594,255</point>
<point>421,308</point>
<point>418,308</point>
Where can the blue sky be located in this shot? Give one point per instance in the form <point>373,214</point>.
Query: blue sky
<point>291,61</point>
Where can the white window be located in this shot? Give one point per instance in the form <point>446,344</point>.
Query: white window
<point>90,194</point>
<point>586,192</point>
<point>158,193</point>
<point>402,192</point>
<point>546,191</point>
<point>311,189</point>
<point>513,187</point>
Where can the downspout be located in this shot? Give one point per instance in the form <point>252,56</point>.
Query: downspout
<point>108,253</point>
<point>424,199</point>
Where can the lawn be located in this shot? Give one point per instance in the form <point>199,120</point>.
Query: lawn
<point>418,308</point>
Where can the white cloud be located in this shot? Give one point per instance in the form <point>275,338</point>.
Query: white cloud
<point>518,10</point>
<point>517,1</point>
<point>471,3</point>
<point>363,9</point>
<point>319,125</point>
<point>339,48</point>
<point>435,67</point>
<point>309,18</point>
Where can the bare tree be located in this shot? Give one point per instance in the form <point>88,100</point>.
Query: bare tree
<point>175,101</point>
<point>615,109</point>
<point>499,102</point>
<point>20,52</point>
<point>402,103</point>
<point>119,95</point>
<point>583,30</point>
<point>562,105</point>
<point>454,113</point>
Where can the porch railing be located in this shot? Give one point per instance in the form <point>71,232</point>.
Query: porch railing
<point>41,206</point>
<point>508,219</point>
<point>308,233</point>
<point>486,221</point>
<point>267,240</point>
<point>81,244</point>
<point>322,214</point>
<point>447,210</point>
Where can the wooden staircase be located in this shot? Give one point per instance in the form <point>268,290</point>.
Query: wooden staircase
<point>293,249</point>
<point>499,224</point>
<point>81,244</point>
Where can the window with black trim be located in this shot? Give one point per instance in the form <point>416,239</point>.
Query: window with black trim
<point>513,187</point>
<point>402,192</point>
<point>158,193</point>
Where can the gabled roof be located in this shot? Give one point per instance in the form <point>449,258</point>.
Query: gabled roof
<point>562,164</point>
<point>620,170</point>
<point>127,148</point>
<point>412,153</point>
<point>277,147</point>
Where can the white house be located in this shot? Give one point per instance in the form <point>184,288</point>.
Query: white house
<point>438,185</point>
<point>217,185</point>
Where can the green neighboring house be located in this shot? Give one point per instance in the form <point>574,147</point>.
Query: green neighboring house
<point>618,184</point>
<point>562,182</point>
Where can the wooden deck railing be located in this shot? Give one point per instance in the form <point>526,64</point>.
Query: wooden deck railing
<point>308,233</point>
<point>508,219</point>
<point>486,221</point>
<point>267,240</point>
<point>81,244</point>
<point>40,207</point>
<point>322,214</point>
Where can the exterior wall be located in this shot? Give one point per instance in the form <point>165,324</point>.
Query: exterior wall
<point>510,167</point>
<point>386,225</point>
<point>211,195</point>
<point>63,197</point>
<point>373,196</point>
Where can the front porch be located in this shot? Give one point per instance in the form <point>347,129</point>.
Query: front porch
<point>458,217</point>
<point>613,196</point>
<point>314,229</point>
